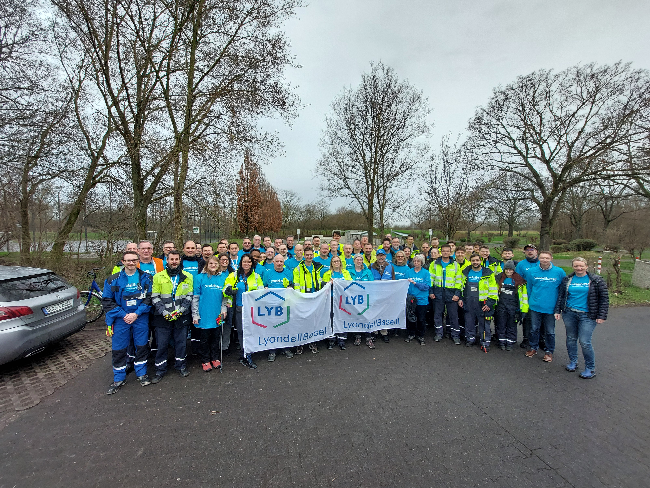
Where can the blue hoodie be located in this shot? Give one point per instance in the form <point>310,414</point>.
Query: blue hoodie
<point>543,285</point>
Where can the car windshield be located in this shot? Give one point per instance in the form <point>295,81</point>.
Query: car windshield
<point>30,287</point>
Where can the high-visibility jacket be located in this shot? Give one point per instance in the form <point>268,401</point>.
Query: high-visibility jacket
<point>328,275</point>
<point>492,263</point>
<point>157,263</point>
<point>522,291</point>
<point>373,258</point>
<point>453,278</point>
<point>163,297</point>
<point>252,282</point>
<point>465,264</point>
<point>306,281</point>
<point>487,286</point>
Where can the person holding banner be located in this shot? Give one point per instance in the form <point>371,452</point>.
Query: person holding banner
<point>208,304</point>
<point>244,279</point>
<point>420,286</point>
<point>382,269</point>
<point>306,279</point>
<point>278,277</point>
<point>337,271</point>
<point>362,273</point>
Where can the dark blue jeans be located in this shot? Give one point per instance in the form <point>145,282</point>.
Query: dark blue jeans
<point>579,327</point>
<point>548,319</point>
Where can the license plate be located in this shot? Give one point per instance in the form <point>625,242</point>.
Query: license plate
<point>58,307</point>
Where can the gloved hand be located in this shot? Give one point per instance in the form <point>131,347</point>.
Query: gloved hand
<point>230,291</point>
<point>172,315</point>
<point>109,331</point>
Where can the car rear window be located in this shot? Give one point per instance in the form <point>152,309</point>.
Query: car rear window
<point>30,287</point>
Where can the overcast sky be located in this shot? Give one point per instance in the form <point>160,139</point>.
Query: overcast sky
<point>455,51</point>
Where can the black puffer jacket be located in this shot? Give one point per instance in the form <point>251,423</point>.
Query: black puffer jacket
<point>597,298</point>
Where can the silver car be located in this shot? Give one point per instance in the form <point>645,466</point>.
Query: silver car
<point>37,307</point>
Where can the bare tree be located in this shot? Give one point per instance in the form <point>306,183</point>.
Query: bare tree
<point>373,141</point>
<point>558,130</point>
<point>508,203</point>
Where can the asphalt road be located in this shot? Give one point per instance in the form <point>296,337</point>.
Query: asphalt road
<point>401,415</point>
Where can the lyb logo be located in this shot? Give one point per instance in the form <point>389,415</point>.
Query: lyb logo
<point>354,299</point>
<point>270,315</point>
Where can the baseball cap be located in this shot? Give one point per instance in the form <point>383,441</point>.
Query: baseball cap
<point>381,251</point>
<point>530,245</point>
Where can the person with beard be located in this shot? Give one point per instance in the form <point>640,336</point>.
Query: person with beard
<point>171,297</point>
<point>522,267</point>
<point>478,298</point>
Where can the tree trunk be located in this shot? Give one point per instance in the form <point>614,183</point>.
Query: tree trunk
<point>370,219</point>
<point>545,230</point>
<point>25,238</point>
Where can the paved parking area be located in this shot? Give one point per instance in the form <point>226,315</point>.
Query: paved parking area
<point>25,383</point>
<point>401,415</point>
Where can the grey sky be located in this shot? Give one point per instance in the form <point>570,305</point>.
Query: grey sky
<point>455,51</point>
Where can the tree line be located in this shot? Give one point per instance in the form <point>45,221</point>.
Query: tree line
<point>148,97</point>
<point>549,144</point>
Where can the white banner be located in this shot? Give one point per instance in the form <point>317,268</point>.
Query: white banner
<point>275,318</point>
<point>366,306</point>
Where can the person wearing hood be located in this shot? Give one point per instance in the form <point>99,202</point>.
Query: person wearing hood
<point>479,296</point>
<point>530,251</point>
<point>171,298</point>
<point>512,304</point>
<point>446,280</point>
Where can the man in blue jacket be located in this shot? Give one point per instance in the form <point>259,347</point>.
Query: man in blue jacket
<point>530,251</point>
<point>127,301</point>
<point>543,282</point>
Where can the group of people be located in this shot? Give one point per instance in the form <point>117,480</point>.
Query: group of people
<point>153,303</point>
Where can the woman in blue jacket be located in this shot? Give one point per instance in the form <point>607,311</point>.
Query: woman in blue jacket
<point>583,301</point>
<point>420,285</point>
<point>208,305</point>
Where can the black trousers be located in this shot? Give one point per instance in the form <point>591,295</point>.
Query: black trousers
<point>208,345</point>
<point>418,327</point>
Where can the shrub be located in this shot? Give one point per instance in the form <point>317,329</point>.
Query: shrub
<point>480,240</point>
<point>558,248</point>
<point>511,242</point>
<point>582,244</point>
<point>559,242</point>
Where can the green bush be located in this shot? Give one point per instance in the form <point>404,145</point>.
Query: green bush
<point>511,242</point>
<point>558,248</point>
<point>479,240</point>
<point>560,242</point>
<point>582,244</point>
